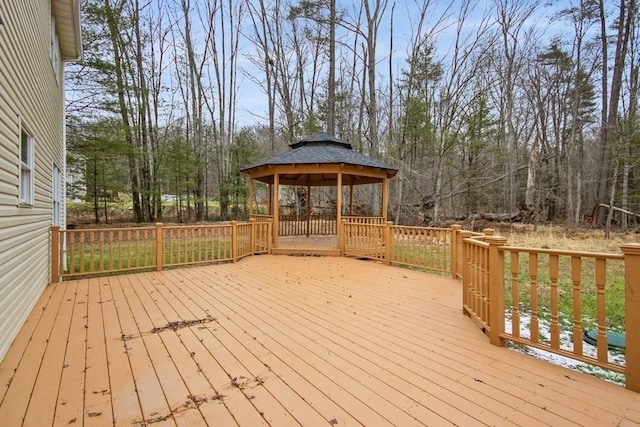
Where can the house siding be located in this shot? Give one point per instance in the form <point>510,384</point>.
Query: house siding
<point>30,96</point>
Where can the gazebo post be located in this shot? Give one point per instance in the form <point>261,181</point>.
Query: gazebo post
<point>251,197</point>
<point>351,199</point>
<point>308,204</point>
<point>270,207</point>
<point>339,206</point>
<point>385,198</point>
<point>276,207</point>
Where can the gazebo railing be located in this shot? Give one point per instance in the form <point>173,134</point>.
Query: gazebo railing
<point>316,225</point>
<point>298,225</point>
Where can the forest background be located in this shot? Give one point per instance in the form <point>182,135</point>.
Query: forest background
<point>521,107</point>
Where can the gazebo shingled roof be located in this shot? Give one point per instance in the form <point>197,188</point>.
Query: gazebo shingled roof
<point>320,149</point>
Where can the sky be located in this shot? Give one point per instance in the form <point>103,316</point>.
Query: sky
<point>252,104</point>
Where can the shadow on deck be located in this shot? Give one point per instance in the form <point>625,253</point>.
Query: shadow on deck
<point>276,340</point>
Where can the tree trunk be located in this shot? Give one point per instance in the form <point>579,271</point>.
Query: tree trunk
<point>609,119</point>
<point>331,86</point>
<point>114,36</point>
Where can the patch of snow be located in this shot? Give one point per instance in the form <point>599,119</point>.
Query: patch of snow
<point>566,343</point>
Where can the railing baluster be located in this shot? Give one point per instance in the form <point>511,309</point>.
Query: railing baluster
<point>102,242</point>
<point>515,293</point>
<point>576,277</point>
<point>553,275</point>
<point>533,274</point>
<point>136,238</point>
<point>82,252</point>
<point>601,278</point>
<point>72,252</point>
<point>130,247</point>
<point>110,248</point>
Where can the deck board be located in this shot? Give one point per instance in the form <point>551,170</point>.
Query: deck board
<point>97,379</point>
<point>71,386</point>
<point>200,393</point>
<point>42,402</point>
<point>282,341</point>
<point>19,394</point>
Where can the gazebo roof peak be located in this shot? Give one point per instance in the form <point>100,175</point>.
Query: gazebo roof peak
<point>321,138</point>
<point>315,160</point>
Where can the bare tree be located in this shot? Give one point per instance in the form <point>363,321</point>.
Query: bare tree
<point>611,99</point>
<point>512,15</point>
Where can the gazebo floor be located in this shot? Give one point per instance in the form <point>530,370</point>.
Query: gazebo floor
<point>276,340</point>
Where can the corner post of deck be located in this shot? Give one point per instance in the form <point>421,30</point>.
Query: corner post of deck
<point>234,242</point>
<point>455,235</point>
<point>488,231</point>
<point>632,312</point>
<point>388,242</point>
<point>496,289</point>
<point>464,265</point>
<point>252,236</point>
<point>55,254</point>
<point>159,246</point>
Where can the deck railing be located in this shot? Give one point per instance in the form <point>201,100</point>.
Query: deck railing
<point>422,247</point>
<point>541,298</point>
<point>541,281</point>
<point>547,298</point>
<point>117,250</point>
<point>364,219</point>
<point>363,240</point>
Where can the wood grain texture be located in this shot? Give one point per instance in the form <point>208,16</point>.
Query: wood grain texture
<point>275,340</point>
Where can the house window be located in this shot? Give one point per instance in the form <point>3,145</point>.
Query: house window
<point>55,50</point>
<point>26,168</point>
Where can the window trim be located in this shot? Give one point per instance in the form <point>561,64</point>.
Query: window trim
<point>57,199</point>
<point>26,196</point>
<point>54,51</point>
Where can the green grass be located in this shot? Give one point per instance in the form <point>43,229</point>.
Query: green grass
<point>432,258</point>
<point>202,250</point>
<point>134,255</point>
<point>614,291</point>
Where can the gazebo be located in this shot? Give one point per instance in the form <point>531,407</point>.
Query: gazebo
<point>319,160</point>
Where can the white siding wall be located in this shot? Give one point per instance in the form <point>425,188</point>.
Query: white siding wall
<point>29,94</point>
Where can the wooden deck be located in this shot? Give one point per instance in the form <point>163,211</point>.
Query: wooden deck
<point>276,340</point>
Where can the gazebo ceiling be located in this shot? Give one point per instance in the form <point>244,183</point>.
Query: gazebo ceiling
<point>316,161</point>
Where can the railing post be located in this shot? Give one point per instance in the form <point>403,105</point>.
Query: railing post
<point>496,289</point>
<point>252,236</point>
<point>455,234</point>
<point>159,246</point>
<point>632,312</point>
<point>488,231</point>
<point>388,242</point>
<point>234,243</point>
<point>55,254</point>
<point>464,274</point>
<point>342,236</point>
<point>269,236</point>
